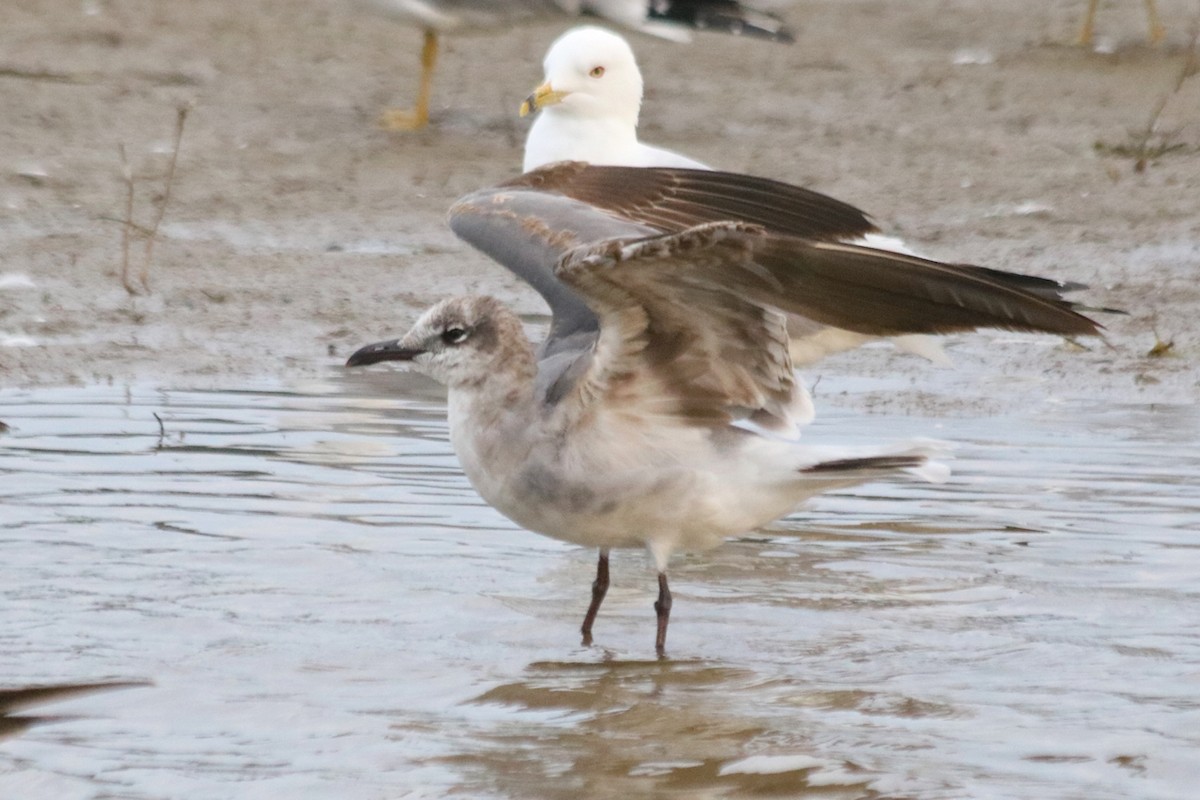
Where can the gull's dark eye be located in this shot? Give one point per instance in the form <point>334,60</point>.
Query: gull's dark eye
<point>454,335</point>
<point>597,72</point>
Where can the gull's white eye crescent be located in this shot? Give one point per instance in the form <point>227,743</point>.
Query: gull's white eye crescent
<point>454,335</point>
<point>597,72</point>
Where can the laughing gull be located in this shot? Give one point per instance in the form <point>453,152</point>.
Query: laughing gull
<point>588,106</point>
<point>662,410</point>
<point>668,19</point>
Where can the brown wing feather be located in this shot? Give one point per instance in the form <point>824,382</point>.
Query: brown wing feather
<point>674,200</point>
<point>886,294</point>
<point>690,324</point>
<point>676,343</point>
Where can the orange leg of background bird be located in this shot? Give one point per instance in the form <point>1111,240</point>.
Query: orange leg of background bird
<point>1157,31</point>
<point>1089,21</point>
<point>417,117</point>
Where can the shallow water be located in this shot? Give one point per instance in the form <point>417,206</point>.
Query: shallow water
<point>328,610</point>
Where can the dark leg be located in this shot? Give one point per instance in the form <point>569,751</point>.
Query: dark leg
<point>662,607</point>
<point>599,588</point>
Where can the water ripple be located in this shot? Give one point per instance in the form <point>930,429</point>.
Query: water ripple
<point>328,610</point>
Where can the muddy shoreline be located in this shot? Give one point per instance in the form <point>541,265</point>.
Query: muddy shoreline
<point>297,229</point>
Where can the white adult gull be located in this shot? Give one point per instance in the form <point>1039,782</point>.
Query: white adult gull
<point>590,100</point>
<point>668,19</point>
<point>589,104</point>
<point>662,410</point>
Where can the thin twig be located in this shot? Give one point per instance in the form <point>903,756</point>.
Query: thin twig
<point>180,119</point>
<point>140,230</point>
<point>45,75</point>
<point>127,225</point>
<point>162,431</point>
<point>1190,67</point>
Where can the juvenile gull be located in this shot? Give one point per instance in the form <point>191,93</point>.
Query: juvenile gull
<point>668,19</point>
<point>589,104</point>
<point>662,410</point>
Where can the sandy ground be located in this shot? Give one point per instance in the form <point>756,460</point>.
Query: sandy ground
<point>297,229</point>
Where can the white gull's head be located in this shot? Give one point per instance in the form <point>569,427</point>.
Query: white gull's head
<point>590,72</point>
<point>592,84</point>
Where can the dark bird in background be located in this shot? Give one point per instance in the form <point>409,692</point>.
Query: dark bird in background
<point>15,701</point>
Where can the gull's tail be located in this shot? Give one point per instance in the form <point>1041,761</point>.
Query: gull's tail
<point>886,463</point>
<point>913,457</point>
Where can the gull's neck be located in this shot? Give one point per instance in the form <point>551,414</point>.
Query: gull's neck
<point>559,135</point>
<point>492,418</point>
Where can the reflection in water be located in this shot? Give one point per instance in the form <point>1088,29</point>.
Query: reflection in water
<point>328,610</point>
<point>610,728</point>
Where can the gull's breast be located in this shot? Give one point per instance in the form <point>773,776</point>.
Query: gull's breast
<point>665,509</point>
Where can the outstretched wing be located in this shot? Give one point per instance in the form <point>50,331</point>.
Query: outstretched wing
<point>678,338</point>
<point>673,200</point>
<point>528,231</point>
<point>881,293</point>
<point>690,323</point>
<point>528,224</point>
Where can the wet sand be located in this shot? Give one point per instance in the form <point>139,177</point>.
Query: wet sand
<point>297,229</point>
